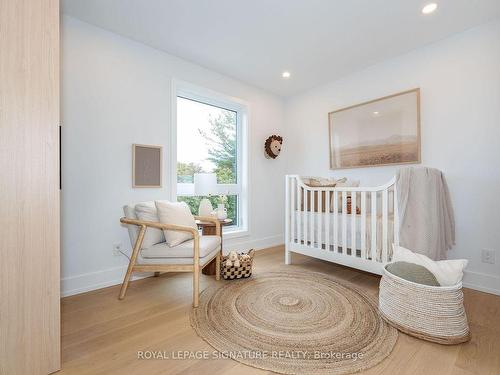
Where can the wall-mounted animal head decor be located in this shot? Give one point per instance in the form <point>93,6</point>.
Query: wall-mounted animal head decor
<point>272,147</point>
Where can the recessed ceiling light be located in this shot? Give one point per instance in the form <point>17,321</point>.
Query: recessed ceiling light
<point>285,74</point>
<point>429,8</point>
<point>375,113</point>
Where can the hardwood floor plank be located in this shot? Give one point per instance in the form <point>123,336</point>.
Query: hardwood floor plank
<point>481,355</point>
<point>397,362</point>
<point>102,335</point>
<point>483,309</point>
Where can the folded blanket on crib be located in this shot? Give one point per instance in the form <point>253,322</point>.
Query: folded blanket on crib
<point>427,225</point>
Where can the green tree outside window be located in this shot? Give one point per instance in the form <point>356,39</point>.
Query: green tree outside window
<point>222,150</point>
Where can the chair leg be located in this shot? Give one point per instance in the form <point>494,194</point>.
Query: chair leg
<point>217,265</point>
<point>126,280</point>
<point>131,264</point>
<point>196,286</point>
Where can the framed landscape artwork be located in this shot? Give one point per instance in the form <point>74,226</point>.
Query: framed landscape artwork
<point>146,166</point>
<point>383,131</point>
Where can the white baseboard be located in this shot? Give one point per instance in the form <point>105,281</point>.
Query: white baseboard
<point>240,244</point>
<point>113,276</point>
<point>483,282</point>
<point>95,280</point>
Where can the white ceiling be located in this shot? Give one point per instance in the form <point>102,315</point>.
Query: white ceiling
<point>255,40</point>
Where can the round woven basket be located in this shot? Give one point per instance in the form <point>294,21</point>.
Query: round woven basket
<point>431,313</point>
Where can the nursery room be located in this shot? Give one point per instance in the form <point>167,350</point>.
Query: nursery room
<point>250,187</point>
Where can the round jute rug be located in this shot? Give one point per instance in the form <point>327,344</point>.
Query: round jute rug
<point>294,322</point>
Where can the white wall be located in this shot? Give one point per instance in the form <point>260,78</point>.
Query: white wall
<point>116,92</point>
<point>460,90</point>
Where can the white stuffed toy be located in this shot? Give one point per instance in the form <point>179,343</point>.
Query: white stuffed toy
<point>232,259</point>
<point>233,256</point>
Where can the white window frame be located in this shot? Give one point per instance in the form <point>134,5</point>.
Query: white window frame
<point>241,188</point>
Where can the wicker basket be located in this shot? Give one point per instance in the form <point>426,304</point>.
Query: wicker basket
<point>233,273</point>
<point>431,313</point>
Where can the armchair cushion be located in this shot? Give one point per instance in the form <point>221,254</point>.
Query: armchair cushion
<point>147,211</point>
<point>177,213</point>
<point>177,261</point>
<point>133,230</point>
<point>208,244</point>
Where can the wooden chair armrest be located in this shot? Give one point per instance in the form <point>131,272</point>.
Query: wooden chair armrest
<point>152,224</point>
<point>212,220</point>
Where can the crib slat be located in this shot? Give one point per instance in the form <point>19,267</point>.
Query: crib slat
<point>335,221</point>
<point>287,210</point>
<point>363,224</point>
<point>320,218</point>
<point>306,216</point>
<point>373,214</point>
<point>385,209</point>
<point>344,223</point>
<point>327,220</point>
<point>299,213</point>
<point>312,216</point>
<point>291,203</point>
<point>353,223</point>
<point>396,217</point>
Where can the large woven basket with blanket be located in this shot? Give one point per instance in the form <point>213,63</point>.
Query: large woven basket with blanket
<point>433,313</point>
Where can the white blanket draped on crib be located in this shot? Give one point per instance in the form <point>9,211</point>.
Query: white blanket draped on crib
<point>425,212</point>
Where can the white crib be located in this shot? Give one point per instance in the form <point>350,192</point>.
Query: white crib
<point>318,224</point>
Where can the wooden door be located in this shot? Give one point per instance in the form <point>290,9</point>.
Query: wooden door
<point>29,187</point>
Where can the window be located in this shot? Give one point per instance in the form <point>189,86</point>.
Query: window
<point>210,136</point>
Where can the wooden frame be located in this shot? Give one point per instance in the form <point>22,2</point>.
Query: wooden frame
<point>418,140</point>
<point>157,268</point>
<point>135,184</point>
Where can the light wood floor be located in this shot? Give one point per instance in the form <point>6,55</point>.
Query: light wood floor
<point>101,335</point>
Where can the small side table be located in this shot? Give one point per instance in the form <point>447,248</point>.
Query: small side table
<point>208,229</point>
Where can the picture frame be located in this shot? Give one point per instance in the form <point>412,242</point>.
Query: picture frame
<point>147,166</point>
<point>379,132</point>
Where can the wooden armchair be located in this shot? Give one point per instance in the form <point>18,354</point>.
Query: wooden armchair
<point>194,264</point>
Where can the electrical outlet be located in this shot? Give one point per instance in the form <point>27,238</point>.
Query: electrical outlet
<point>488,256</point>
<point>117,248</point>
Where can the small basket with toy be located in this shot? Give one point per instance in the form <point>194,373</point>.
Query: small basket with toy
<point>237,266</point>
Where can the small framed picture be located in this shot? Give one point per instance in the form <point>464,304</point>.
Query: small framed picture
<point>147,166</point>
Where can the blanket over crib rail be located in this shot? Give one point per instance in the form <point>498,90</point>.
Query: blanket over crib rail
<point>427,224</point>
